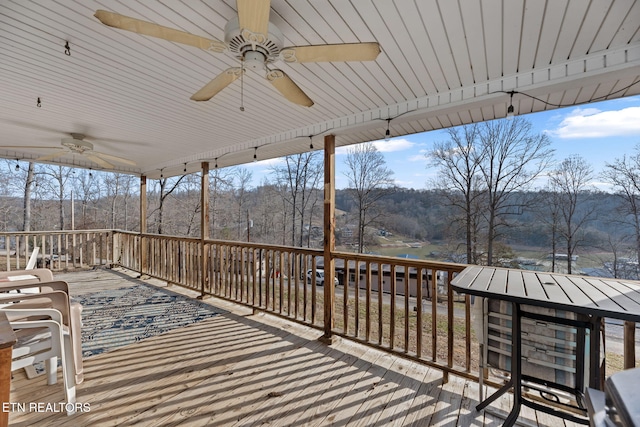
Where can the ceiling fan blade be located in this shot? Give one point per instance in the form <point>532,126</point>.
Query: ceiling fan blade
<point>212,88</point>
<point>253,15</point>
<point>288,88</point>
<point>331,52</point>
<point>98,160</point>
<point>154,30</point>
<point>29,147</point>
<point>51,156</point>
<point>114,158</point>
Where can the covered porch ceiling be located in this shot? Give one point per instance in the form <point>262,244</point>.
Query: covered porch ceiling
<point>442,63</point>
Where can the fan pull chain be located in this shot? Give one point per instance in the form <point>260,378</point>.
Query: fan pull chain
<point>242,89</point>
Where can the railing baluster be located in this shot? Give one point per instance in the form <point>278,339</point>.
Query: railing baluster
<point>407,278</point>
<point>356,292</point>
<point>345,299</point>
<point>434,315</point>
<point>380,304</point>
<point>368,302</point>
<point>296,272</point>
<point>392,319</point>
<point>419,312</point>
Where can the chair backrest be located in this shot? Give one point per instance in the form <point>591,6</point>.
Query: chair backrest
<point>33,259</point>
<point>550,351</point>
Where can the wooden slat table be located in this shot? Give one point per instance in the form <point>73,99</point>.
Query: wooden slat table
<point>595,297</point>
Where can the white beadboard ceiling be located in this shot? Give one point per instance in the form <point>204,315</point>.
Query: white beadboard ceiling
<point>443,63</point>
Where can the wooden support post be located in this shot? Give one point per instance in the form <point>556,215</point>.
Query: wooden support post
<point>7,340</point>
<point>204,228</point>
<point>329,235</point>
<point>143,221</point>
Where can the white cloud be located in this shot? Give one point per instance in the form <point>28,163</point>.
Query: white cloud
<point>420,157</point>
<point>395,144</point>
<point>593,123</point>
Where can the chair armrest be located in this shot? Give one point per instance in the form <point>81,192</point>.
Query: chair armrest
<point>43,274</point>
<point>24,314</point>
<point>49,286</point>
<point>56,299</point>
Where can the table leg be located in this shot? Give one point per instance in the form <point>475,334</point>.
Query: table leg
<point>495,395</point>
<point>516,365</point>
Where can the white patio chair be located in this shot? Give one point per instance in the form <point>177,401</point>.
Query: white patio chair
<point>51,294</point>
<point>43,338</point>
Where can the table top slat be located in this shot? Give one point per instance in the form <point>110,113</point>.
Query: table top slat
<point>468,275</point>
<point>618,299</point>
<point>600,299</point>
<point>576,294</point>
<point>534,288</point>
<point>482,279</point>
<point>553,289</point>
<point>498,282</point>
<point>515,284</point>
<point>623,294</point>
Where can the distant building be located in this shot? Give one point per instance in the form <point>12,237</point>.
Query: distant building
<point>563,257</point>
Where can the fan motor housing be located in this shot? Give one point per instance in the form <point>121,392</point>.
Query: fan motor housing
<point>77,145</point>
<point>239,44</point>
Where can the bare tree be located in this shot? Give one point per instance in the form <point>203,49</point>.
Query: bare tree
<point>624,175</point>
<point>459,180</point>
<point>369,181</point>
<point>512,157</point>
<point>298,178</point>
<point>242,179</point>
<point>571,180</point>
<point>166,186</point>
<point>87,189</point>
<point>267,216</point>
<point>188,207</point>
<point>28,187</point>
<point>59,176</point>
<point>548,212</point>
<point>7,208</point>
<point>220,182</point>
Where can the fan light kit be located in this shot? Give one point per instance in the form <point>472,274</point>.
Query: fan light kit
<point>256,42</point>
<point>76,144</point>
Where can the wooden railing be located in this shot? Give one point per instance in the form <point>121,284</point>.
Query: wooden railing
<point>416,315</point>
<point>58,250</point>
<point>402,306</point>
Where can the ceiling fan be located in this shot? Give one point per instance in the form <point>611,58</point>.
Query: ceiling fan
<point>76,144</point>
<point>256,42</point>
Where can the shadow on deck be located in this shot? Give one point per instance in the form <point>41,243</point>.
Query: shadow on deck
<point>240,369</point>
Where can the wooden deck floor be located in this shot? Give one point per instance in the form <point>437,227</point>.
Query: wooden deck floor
<point>240,369</point>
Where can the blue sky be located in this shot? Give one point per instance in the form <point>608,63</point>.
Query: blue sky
<point>599,132</point>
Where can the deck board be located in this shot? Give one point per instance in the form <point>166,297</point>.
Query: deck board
<point>241,369</point>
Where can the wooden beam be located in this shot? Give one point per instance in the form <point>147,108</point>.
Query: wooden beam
<point>7,340</point>
<point>204,227</point>
<point>143,221</point>
<point>329,234</point>
<point>143,204</point>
